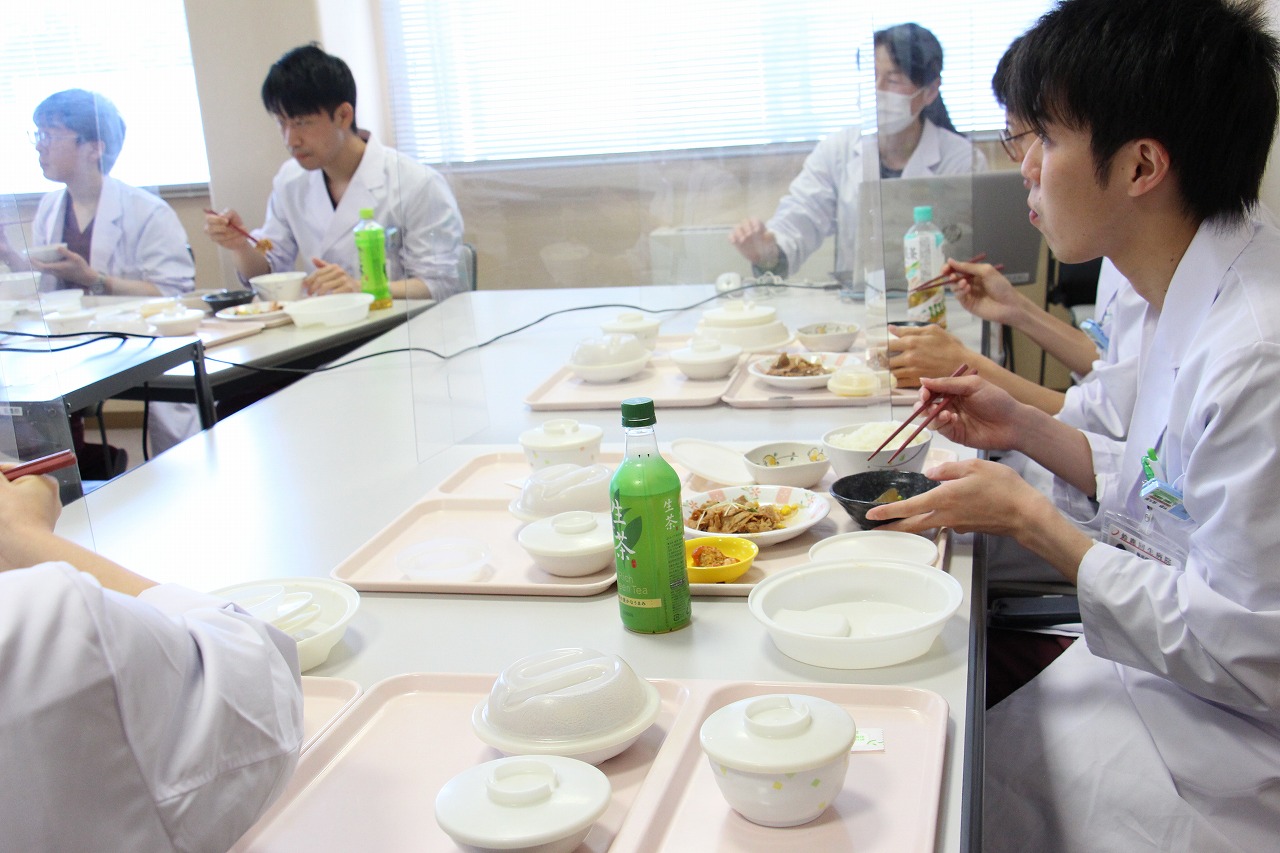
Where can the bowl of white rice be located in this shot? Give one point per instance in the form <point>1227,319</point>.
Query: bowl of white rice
<point>850,448</point>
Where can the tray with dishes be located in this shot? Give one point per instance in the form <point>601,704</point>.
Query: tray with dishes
<point>412,741</point>
<point>658,377</point>
<point>801,381</point>
<point>215,333</point>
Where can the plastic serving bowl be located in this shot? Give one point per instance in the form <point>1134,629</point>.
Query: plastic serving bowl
<point>707,358</point>
<point>337,604</point>
<point>571,544</point>
<point>561,488</point>
<point>335,309</point>
<point>788,463</point>
<point>610,359</point>
<point>843,616</point>
<point>279,286</point>
<point>634,323</point>
<point>184,322</point>
<point>561,440</point>
<point>828,337</point>
<point>577,703</point>
<point>743,550</point>
<point>848,460</point>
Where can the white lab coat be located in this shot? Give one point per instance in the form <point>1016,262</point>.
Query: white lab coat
<point>136,235</point>
<point>1163,732</point>
<point>413,202</point>
<point>823,199</point>
<point>166,722</point>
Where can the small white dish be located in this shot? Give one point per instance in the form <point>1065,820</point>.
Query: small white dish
<point>69,322</point>
<point>19,285</point>
<point>46,254</point>
<point>713,462</point>
<point>875,545</point>
<point>857,380</point>
<point>829,361</point>
<point>810,509</point>
<point>334,309</point>
<point>828,337</point>
<point>455,559</point>
<point>634,323</point>
<point>184,322</point>
<point>787,463</point>
<point>279,286</point>
<point>706,358</point>
<point>602,373</point>
<point>570,544</point>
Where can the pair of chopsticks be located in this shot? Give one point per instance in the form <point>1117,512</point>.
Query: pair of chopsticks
<point>948,278</point>
<point>942,401</point>
<point>236,228</point>
<point>43,465</point>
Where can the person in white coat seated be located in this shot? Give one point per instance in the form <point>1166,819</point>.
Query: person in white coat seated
<point>120,240</point>
<point>133,716</point>
<point>1160,728</point>
<point>338,169</point>
<point>915,138</point>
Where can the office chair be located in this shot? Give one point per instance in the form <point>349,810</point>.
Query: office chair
<point>467,266</point>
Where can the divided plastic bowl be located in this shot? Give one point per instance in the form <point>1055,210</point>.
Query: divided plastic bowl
<point>843,616</point>
<point>335,309</point>
<point>337,604</point>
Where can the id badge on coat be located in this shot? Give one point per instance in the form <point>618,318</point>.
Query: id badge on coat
<point>1139,538</point>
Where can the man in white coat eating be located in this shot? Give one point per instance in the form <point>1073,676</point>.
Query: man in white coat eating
<point>1161,729</point>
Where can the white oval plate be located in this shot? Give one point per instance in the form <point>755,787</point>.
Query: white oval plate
<point>813,508</point>
<point>875,545</point>
<point>831,360</point>
<point>234,312</point>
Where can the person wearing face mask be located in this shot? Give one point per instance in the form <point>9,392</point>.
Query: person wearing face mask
<point>915,138</point>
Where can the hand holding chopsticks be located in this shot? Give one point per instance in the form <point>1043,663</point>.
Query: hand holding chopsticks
<point>949,278</point>
<point>262,245</point>
<point>43,465</point>
<point>941,401</point>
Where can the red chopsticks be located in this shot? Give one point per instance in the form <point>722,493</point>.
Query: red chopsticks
<point>943,401</point>
<point>941,279</point>
<point>43,465</point>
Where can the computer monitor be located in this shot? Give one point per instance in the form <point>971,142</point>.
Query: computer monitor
<point>982,212</point>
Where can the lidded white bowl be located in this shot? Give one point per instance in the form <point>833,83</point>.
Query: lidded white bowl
<point>634,323</point>
<point>779,759</point>
<point>745,324</point>
<point>561,440</point>
<point>546,804</point>
<point>183,321</point>
<point>69,322</point>
<point>561,488</point>
<point>854,380</point>
<point>570,544</point>
<point>574,702</point>
<point>707,358</point>
<point>609,359</point>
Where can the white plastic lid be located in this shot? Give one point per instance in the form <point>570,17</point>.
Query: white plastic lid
<point>522,801</point>
<point>568,534</point>
<point>560,434</point>
<point>875,545</point>
<point>777,733</point>
<point>740,314</point>
<point>631,322</point>
<point>716,463</point>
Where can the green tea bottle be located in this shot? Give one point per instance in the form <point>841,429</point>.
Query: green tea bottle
<point>648,530</point>
<point>371,246</point>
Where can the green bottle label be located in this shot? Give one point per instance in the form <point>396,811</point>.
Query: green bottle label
<point>371,246</point>
<point>648,537</point>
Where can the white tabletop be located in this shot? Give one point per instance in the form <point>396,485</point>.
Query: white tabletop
<point>295,483</point>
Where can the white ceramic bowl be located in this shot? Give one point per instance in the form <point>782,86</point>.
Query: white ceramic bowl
<point>861,545</point>
<point>561,440</point>
<point>544,804</point>
<point>337,604</point>
<point>69,322</point>
<point>828,337</point>
<point>561,488</point>
<point>279,286</point>
<point>810,509</point>
<point>781,759</point>
<point>847,460</point>
<point>570,544</point>
<point>184,322</point>
<point>634,323</point>
<point>602,373</point>
<point>788,463</point>
<point>335,309</point>
<point>841,616</point>
<point>707,358</point>
<point>46,254</point>
<point>577,702</point>
<point>454,559</point>
<point>19,285</point>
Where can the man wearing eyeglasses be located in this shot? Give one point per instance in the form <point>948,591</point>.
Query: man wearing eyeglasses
<point>120,240</point>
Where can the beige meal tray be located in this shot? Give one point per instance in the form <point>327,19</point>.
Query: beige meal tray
<point>747,391</point>
<point>215,333</point>
<point>661,380</point>
<point>370,781</point>
<point>323,701</point>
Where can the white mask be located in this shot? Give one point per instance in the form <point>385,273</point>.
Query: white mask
<point>893,111</point>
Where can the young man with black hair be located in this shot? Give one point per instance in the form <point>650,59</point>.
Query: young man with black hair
<point>1161,731</point>
<point>336,170</point>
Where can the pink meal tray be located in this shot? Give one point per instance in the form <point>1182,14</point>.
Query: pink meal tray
<point>370,781</point>
<point>661,380</point>
<point>510,571</point>
<point>323,701</point>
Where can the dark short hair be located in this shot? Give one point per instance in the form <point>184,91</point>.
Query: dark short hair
<point>93,118</point>
<point>1198,76</point>
<point>919,54</point>
<point>1004,70</point>
<point>305,81</point>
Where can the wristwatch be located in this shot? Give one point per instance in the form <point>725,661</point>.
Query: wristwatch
<point>99,285</point>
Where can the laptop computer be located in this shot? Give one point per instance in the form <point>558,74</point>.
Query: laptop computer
<point>982,212</point>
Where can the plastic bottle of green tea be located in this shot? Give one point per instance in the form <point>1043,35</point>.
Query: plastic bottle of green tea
<point>648,530</point>
<point>371,246</point>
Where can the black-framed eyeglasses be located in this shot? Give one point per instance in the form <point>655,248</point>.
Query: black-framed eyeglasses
<point>1009,142</point>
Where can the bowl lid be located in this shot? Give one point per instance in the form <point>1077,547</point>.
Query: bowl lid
<point>740,314</point>
<point>875,545</point>
<point>778,733</point>
<point>568,534</point>
<point>713,462</point>
<point>706,350</point>
<point>630,322</point>
<point>522,801</point>
<point>560,434</point>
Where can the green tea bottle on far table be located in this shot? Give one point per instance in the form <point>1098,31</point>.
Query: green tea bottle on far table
<point>371,246</point>
<point>648,530</point>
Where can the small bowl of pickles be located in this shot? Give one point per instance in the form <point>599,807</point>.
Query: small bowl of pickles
<point>718,559</point>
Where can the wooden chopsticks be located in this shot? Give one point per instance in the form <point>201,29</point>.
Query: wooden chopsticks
<point>43,465</point>
<point>943,401</point>
<point>941,279</point>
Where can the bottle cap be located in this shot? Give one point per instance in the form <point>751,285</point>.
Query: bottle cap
<point>366,213</point>
<point>923,213</point>
<point>638,412</point>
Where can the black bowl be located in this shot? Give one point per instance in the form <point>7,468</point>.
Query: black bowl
<point>226,299</point>
<point>911,324</point>
<point>857,492</point>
